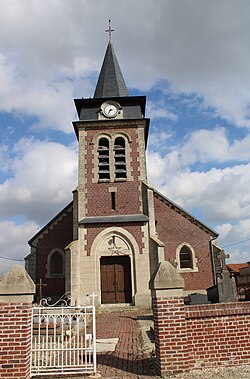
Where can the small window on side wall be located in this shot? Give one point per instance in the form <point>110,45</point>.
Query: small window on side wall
<point>186,260</point>
<point>55,264</point>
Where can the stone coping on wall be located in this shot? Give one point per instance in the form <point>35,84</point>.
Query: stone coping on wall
<point>217,310</point>
<point>16,286</point>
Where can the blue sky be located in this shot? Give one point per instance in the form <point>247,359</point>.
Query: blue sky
<point>191,60</point>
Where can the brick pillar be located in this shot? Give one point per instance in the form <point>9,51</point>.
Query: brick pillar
<point>171,345</point>
<point>16,296</point>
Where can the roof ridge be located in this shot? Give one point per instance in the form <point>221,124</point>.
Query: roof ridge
<point>51,222</point>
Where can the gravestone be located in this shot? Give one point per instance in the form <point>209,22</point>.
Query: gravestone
<point>225,290</point>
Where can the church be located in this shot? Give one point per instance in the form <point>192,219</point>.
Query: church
<point>118,228</point>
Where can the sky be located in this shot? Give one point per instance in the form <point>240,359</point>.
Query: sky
<point>189,57</point>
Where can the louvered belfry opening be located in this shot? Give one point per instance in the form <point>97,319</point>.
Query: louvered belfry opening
<point>120,158</point>
<point>103,157</point>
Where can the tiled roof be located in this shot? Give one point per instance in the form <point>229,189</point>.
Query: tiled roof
<point>236,266</point>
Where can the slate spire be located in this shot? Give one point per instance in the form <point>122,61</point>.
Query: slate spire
<point>110,82</point>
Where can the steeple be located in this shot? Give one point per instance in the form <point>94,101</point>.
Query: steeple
<point>110,82</point>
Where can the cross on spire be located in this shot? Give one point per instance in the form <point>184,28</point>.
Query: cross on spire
<point>109,30</point>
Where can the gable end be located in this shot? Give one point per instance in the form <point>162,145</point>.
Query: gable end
<point>186,215</point>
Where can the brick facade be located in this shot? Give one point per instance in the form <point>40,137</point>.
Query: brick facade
<point>171,343</point>
<point>15,340</point>
<point>98,200</point>
<point>174,228</point>
<point>201,336</point>
<point>56,237</point>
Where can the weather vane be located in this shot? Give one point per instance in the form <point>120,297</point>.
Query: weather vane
<point>109,30</point>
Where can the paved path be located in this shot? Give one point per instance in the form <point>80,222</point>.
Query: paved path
<point>128,360</point>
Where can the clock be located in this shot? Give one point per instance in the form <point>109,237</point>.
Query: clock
<point>110,109</point>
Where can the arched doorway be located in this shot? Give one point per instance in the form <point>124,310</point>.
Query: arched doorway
<point>115,249</point>
<point>116,280</point>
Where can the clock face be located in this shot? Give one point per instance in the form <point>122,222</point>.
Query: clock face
<point>110,110</point>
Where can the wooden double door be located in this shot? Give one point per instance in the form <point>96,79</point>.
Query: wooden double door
<point>116,280</point>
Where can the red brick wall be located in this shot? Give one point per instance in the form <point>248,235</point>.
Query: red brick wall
<point>15,340</point>
<point>59,237</point>
<point>218,334</point>
<point>174,229</point>
<point>128,197</point>
<point>171,345</point>
<point>191,337</point>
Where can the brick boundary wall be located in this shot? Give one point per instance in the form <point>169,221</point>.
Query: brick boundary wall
<point>193,337</point>
<point>218,334</point>
<point>16,295</point>
<point>15,340</point>
<point>171,344</point>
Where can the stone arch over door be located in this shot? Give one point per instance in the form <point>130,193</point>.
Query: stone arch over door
<point>117,245</point>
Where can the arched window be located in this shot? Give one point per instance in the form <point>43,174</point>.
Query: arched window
<point>112,157</point>
<point>103,159</point>
<point>55,264</point>
<point>120,158</point>
<point>186,260</point>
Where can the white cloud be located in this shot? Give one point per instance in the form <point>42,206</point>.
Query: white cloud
<point>51,51</point>
<point>44,175</point>
<point>13,243</point>
<point>234,233</point>
<point>50,101</point>
<point>236,240</point>
<point>199,147</point>
<point>160,111</point>
<point>200,47</point>
<point>213,146</point>
<point>220,194</point>
<point>160,139</point>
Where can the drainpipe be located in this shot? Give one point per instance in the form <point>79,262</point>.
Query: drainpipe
<point>212,256</point>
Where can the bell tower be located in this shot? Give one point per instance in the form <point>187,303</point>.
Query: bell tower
<point>110,252</point>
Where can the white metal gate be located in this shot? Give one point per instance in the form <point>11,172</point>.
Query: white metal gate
<point>63,340</point>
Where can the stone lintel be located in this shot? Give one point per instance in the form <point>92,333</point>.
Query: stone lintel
<point>166,277</point>
<point>115,219</point>
<point>17,286</point>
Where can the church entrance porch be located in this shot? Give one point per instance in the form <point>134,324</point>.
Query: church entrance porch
<point>116,280</point>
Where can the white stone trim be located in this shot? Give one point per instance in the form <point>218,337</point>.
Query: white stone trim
<point>133,251</point>
<point>194,259</point>
<point>142,155</point>
<point>82,175</point>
